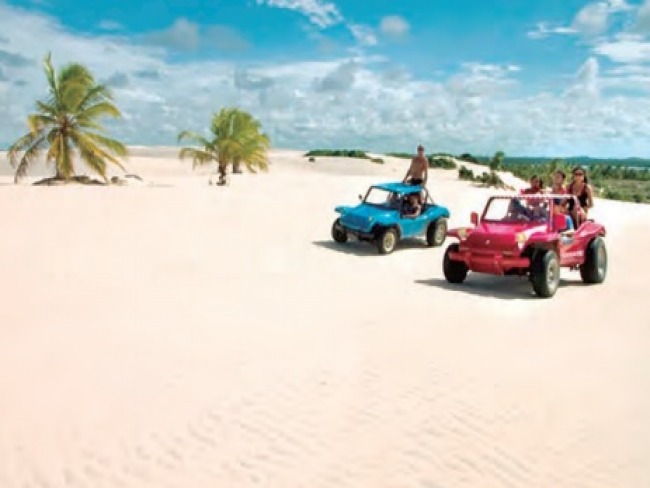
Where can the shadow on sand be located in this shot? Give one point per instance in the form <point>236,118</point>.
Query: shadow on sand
<point>502,287</point>
<point>359,248</point>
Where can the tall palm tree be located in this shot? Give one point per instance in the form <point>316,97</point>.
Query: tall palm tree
<point>235,140</point>
<point>67,122</point>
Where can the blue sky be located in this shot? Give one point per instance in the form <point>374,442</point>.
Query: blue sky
<point>533,77</point>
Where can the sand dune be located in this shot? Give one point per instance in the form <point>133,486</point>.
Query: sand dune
<point>185,335</point>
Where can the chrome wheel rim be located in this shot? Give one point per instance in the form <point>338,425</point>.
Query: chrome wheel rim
<point>389,241</point>
<point>602,261</point>
<point>553,274</point>
<point>439,233</point>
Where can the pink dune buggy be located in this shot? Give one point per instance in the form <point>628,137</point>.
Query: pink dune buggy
<point>527,235</point>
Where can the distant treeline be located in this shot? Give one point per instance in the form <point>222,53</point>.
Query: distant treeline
<point>443,161</point>
<point>634,163</point>
<point>618,179</point>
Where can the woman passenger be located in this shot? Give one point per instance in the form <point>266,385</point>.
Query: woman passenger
<point>581,189</point>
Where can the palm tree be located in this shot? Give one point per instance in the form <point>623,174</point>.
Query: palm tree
<point>68,121</point>
<point>497,161</point>
<point>236,139</point>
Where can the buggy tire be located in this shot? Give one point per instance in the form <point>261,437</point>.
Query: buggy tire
<point>339,234</point>
<point>454,271</point>
<point>594,269</point>
<point>387,240</point>
<point>545,273</point>
<point>437,232</point>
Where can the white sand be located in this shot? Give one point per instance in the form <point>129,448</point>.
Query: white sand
<point>186,335</point>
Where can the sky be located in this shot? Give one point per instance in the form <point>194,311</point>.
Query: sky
<point>529,77</point>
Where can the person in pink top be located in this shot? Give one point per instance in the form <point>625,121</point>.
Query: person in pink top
<point>536,186</point>
<point>561,204</point>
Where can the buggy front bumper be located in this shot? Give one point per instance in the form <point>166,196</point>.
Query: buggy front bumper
<point>496,263</point>
<point>359,234</point>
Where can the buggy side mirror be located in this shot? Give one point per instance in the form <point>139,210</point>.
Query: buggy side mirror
<point>360,197</point>
<point>474,218</point>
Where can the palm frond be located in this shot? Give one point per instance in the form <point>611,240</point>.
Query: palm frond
<point>32,145</point>
<point>111,145</point>
<point>50,75</point>
<point>199,157</point>
<point>98,93</point>
<point>197,139</point>
<point>100,109</point>
<point>93,154</point>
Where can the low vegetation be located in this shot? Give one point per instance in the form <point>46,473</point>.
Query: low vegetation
<point>437,160</point>
<point>488,179</point>
<point>338,153</point>
<point>614,180</point>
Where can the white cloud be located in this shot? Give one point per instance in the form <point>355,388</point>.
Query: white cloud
<point>363,34</point>
<point>320,12</point>
<point>591,20</point>
<point>109,25</point>
<point>587,82</point>
<point>642,23</point>
<point>542,30</point>
<point>394,25</point>
<point>183,34</point>
<point>626,49</point>
<point>351,101</point>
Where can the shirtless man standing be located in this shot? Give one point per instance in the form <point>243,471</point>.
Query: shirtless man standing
<point>419,169</point>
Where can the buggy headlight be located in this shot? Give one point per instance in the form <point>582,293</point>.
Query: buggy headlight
<point>521,238</point>
<point>462,233</point>
<point>369,219</point>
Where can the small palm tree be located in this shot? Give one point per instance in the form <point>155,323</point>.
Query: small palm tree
<point>68,121</point>
<point>236,140</point>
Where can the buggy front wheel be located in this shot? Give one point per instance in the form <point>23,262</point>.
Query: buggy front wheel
<point>339,234</point>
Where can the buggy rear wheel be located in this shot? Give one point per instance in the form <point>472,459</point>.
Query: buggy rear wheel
<point>437,232</point>
<point>594,268</point>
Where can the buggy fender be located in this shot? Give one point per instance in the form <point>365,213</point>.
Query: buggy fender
<point>379,225</point>
<point>466,231</point>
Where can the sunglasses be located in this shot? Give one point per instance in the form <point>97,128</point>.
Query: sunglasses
<point>578,174</point>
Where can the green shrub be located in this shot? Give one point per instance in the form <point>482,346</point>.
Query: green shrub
<point>339,153</point>
<point>440,161</point>
<point>465,173</point>
<point>377,160</point>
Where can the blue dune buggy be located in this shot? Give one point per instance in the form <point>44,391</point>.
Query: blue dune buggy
<point>381,218</point>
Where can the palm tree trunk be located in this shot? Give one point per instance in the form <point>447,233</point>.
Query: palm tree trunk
<point>222,174</point>
<point>236,167</point>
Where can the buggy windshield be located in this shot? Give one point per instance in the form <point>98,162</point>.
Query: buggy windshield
<point>382,198</point>
<point>517,209</point>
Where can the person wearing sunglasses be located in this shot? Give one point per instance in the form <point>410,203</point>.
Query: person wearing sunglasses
<point>580,188</point>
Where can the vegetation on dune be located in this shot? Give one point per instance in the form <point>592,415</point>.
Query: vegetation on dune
<point>610,180</point>
<point>488,179</point>
<point>437,160</point>
<point>444,161</point>
<point>236,140</point>
<point>338,153</point>
<point>66,126</point>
